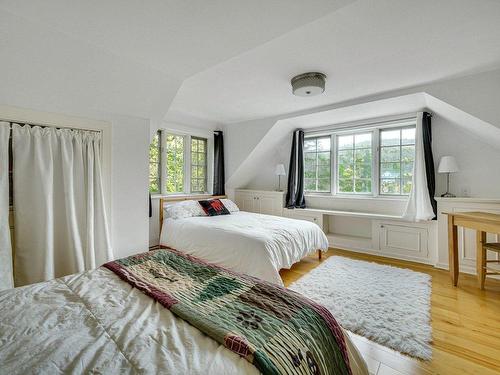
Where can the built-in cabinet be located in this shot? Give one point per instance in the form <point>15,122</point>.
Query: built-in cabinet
<point>409,241</point>
<point>377,234</point>
<point>300,214</point>
<point>259,201</point>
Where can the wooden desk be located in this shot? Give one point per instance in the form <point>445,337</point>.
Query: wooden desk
<point>482,222</point>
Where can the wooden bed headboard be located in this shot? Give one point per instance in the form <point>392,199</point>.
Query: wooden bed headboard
<point>183,198</point>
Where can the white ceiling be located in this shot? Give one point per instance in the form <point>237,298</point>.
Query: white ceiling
<point>364,48</point>
<point>234,57</point>
<point>179,38</point>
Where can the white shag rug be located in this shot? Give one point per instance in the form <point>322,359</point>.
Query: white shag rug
<point>385,304</point>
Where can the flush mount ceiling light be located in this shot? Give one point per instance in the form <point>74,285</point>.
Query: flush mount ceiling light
<point>308,84</point>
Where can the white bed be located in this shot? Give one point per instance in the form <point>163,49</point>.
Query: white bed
<point>255,244</point>
<point>96,323</point>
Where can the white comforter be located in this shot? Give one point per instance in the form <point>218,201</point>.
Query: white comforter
<point>258,245</point>
<point>96,323</point>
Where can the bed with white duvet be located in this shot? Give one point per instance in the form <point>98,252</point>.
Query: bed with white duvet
<point>96,323</point>
<point>254,244</point>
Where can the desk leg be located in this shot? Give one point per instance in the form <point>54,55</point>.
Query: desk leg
<point>480,258</point>
<point>453,251</point>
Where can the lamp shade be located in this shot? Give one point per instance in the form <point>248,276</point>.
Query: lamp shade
<point>280,170</point>
<point>448,164</point>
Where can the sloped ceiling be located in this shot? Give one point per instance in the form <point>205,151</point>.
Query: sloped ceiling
<point>130,57</point>
<point>365,48</point>
<point>226,61</point>
<point>178,38</point>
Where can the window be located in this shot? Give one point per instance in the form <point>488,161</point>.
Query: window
<point>198,165</point>
<point>178,164</point>
<point>375,161</point>
<point>397,153</point>
<point>317,161</point>
<point>154,164</point>
<point>174,164</point>
<point>354,160</point>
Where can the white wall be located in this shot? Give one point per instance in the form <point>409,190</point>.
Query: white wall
<point>241,138</point>
<point>479,163</point>
<point>129,199</point>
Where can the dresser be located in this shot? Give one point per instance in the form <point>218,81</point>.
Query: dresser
<point>260,201</point>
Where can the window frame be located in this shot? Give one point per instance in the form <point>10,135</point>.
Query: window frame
<point>373,150</point>
<point>163,168</point>
<point>379,182</point>
<point>317,165</point>
<point>375,129</point>
<point>159,179</point>
<point>205,140</point>
<point>187,134</point>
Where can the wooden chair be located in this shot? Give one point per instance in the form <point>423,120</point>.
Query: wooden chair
<point>482,268</point>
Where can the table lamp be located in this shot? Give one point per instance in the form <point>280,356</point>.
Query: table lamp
<point>448,164</point>
<point>280,171</point>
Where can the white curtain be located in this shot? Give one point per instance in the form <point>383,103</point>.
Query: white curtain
<point>419,207</point>
<point>60,218</point>
<point>6,273</point>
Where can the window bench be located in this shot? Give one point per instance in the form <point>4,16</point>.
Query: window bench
<point>367,215</point>
<point>373,233</point>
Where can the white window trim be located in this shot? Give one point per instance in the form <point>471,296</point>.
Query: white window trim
<point>374,126</point>
<point>335,167</point>
<point>378,164</point>
<point>187,133</point>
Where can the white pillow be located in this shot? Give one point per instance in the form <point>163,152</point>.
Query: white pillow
<point>183,209</point>
<point>230,205</point>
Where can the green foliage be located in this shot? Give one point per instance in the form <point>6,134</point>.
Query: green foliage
<point>174,163</point>
<point>355,162</point>
<point>198,165</point>
<point>154,163</point>
<point>317,169</point>
<point>397,155</point>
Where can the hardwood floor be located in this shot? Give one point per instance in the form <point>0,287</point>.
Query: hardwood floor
<point>465,323</point>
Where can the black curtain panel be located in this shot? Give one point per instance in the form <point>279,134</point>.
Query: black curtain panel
<point>219,176</point>
<point>429,159</point>
<point>150,206</point>
<point>295,192</point>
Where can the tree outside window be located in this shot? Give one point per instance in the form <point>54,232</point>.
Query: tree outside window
<point>317,164</point>
<point>154,164</point>
<point>397,155</point>
<point>354,157</point>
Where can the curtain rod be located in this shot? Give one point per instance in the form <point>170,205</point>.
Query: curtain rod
<point>47,126</point>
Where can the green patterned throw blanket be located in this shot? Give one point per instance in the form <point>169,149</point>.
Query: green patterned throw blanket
<point>277,330</point>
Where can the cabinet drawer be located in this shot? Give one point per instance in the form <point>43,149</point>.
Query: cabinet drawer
<point>297,214</point>
<point>403,240</point>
